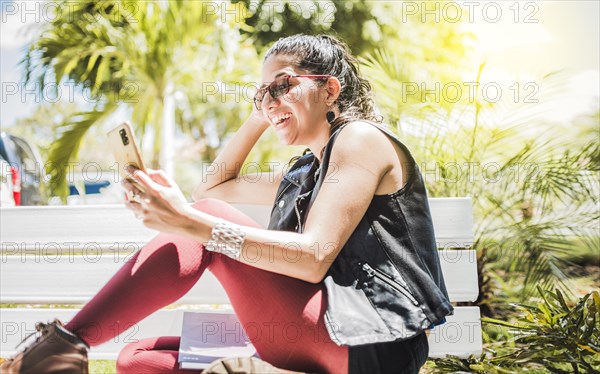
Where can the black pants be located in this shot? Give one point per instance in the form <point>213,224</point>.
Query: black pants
<point>401,357</point>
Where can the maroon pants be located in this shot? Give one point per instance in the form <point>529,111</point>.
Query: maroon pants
<point>283,316</point>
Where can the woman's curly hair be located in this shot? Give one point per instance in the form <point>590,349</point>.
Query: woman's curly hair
<point>324,54</point>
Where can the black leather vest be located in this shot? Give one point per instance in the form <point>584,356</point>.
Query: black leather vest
<point>386,283</point>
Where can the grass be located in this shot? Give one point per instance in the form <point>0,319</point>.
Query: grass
<point>102,367</point>
<point>96,366</point>
<point>42,306</point>
<point>108,367</point>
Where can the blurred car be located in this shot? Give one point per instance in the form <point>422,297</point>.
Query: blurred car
<point>25,168</point>
<point>89,187</point>
<point>7,197</point>
<point>97,191</point>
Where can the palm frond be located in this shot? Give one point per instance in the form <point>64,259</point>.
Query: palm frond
<point>64,149</point>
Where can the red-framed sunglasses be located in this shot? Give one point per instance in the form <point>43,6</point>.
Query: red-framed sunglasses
<point>280,87</point>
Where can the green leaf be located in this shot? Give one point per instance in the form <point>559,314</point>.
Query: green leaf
<point>64,150</point>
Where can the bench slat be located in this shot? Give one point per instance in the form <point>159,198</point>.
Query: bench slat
<point>460,335</point>
<point>71,228</point>
<point>64,279</point>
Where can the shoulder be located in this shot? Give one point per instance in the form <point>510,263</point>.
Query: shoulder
<point>360,145</point>
<point>361,129</point>
<point>362,141</point>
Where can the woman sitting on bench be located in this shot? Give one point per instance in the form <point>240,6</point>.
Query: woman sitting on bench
<point>349,259</point>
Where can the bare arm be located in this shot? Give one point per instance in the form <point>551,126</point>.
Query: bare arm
<point>221,179</point>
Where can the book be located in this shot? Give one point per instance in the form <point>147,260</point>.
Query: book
<point>206,337</point>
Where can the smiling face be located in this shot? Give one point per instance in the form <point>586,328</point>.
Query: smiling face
<point>299,116</point>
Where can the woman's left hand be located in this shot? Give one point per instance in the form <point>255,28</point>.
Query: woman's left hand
<point>161,205</point>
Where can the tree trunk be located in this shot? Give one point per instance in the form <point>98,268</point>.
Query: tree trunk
<point>167,150</point>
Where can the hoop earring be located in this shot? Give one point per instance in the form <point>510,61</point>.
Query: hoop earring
<point>330,117</point>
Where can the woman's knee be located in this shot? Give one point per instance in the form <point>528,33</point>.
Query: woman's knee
<point>221,209</point>
<point>208,204</point>
<point>149,356</point>
<point>126,360</point>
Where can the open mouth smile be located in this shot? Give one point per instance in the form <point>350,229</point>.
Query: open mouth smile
<point>281,120</point>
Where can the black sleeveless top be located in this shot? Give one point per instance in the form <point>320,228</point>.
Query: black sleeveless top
<point>386,283</point>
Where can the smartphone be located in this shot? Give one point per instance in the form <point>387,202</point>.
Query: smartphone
<point>126,150</point>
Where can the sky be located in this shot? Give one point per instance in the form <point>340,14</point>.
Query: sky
<point>532,39</point>
<point>519,42</point>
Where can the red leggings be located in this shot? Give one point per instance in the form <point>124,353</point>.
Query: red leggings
<point>286,314</point>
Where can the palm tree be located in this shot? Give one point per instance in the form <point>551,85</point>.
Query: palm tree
<point>131,54</point>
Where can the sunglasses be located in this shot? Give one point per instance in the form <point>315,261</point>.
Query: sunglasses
<point>280,87</point>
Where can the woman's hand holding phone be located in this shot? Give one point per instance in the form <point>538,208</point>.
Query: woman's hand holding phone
<point>162,205</point>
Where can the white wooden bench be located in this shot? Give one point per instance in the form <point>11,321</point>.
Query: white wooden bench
<point>62,255</point>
